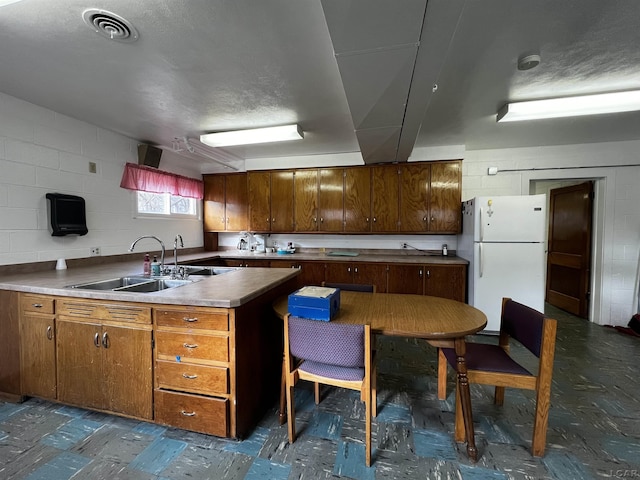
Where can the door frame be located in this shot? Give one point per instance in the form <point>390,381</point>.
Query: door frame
<point>602,230</point>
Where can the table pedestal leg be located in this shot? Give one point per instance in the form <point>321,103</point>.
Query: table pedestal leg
<point>465,397</point>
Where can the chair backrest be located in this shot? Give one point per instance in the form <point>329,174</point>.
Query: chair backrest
<point>524,324</point>
<point>352,287</point>
<point>327,342</point>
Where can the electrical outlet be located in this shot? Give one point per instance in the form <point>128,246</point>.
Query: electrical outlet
<point>95,251</point>
<point>403,245</point>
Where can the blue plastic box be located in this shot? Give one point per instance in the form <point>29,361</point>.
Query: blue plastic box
<point>316,303</point>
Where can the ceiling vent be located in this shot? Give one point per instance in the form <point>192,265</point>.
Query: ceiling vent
<point>110,25</point>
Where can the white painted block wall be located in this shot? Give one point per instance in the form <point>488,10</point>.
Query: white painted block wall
<point>42,151</point>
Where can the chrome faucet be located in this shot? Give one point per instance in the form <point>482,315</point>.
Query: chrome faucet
<point>161,245</point>
<point>175,253</point>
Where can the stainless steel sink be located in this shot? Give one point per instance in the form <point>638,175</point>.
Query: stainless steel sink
<point>204,271</point>
<point>132,284</point>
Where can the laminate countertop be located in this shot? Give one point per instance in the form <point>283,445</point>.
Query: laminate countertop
<point>228,290</point>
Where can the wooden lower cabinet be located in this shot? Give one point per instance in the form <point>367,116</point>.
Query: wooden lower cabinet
<point>446,281</point>
<point>38,346</point>
<point>104,356</point>
<point>193,412</point>
<point>311,273</point>
<point>359,273</point>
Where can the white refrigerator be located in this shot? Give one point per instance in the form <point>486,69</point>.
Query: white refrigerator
<point>503,238</point>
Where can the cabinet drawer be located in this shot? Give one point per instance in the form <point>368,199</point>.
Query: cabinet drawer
<point>192,319</point>
<point>192,412</point>
<point>192,378</point>
<point>115,312</point>
<point>192,346</point>
<point>36,304</point>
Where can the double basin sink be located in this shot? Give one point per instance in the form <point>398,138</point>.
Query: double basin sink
<point>146,284</point>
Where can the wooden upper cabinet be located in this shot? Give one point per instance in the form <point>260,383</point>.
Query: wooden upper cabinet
<point>236,202</point>
<point>331,210</point>
<point>225,203</point>
<point>282,201</point>
<point>259,194</point>
<point>384,198</point>
<point>445,197</point>
<point>357,199</point>
<point>305,200</point>
<point>414,197</point>
<point>213,204</point>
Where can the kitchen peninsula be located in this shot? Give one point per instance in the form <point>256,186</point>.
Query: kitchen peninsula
<point>205,356</point>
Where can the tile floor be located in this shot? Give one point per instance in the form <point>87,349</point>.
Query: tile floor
<point>594,428</point>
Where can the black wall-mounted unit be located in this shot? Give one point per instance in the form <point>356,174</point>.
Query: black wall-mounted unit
<point>67,215</point>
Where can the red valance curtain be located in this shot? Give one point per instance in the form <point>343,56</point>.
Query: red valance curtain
<point>149,179</point>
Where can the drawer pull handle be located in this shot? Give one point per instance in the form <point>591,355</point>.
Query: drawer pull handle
<point>36,305</point>
<point>188,414</point>
<point>190,377</point>
<point>190,345</point>
<point>49,333</point>
<point>190,319</point>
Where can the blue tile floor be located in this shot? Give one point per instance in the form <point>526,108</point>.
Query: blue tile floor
<point>594,428</point>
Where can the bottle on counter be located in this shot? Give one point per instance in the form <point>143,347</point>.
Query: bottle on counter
<point>445,252</point>
<point>155,266</point>
<point>146,265</point>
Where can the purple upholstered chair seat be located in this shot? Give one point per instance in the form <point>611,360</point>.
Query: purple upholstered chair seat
<point>332,371</point>
<point>490,358</point>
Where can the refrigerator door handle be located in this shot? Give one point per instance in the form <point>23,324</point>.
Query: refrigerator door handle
<point>481,255</point>
<point>481,225</point>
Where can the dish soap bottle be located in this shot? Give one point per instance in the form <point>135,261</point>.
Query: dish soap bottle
<point>155,266</point>
<point>146,265</point>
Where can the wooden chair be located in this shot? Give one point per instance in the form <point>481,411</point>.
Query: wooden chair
<point>492,365</point>
<point>332,354</point>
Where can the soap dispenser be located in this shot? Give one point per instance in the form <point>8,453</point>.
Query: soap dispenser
<point>146,265</point>
<point>155,266</point>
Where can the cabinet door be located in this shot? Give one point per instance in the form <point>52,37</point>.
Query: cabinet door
<point>38,356</point>
<point>339,272</point>
<point>446,281</point>
<point>357,199</point>
<point>282,201</point>
<point>371,274</point>
<point>384,180</point>
<point>330,200</point>
<point>79,362</point>
<point>236,202</point>
<point>213,204</point>
<point>311,273</point>
<point>259,193</point>
<point>406,279</point>
<point>126,380</point>
<point>414,198</point>
<point>305,200</point>
<point>445,197</point>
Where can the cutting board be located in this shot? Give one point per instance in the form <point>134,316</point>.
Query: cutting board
<point>339,253</point>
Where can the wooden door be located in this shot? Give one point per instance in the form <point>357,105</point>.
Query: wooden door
<point>446,281</point>
<point>414,198</point>
<point>406,279</point>
<point>357,199</point>
<point>79,362</point>
<point>259,193</point>
<point>569,248</point>
<point>445,197</point>
<point>214,203</point>
<point>371,274</point>
<point>384,198</point>
<point>331,200</point>
<point>38,356</point>
<point>236,202</point>
<point>305,200</point>
<point>282,201</point>
<point>127,382</point>
<point>311,273</point>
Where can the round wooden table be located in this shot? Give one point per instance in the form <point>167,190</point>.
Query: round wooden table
<point>439,321</point>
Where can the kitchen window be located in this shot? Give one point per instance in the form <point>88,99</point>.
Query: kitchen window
<point>165,204</point>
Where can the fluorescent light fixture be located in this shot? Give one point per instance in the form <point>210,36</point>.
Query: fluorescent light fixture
<point>571,106</point>
<point>8,2</point>
<point>255,135</point>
